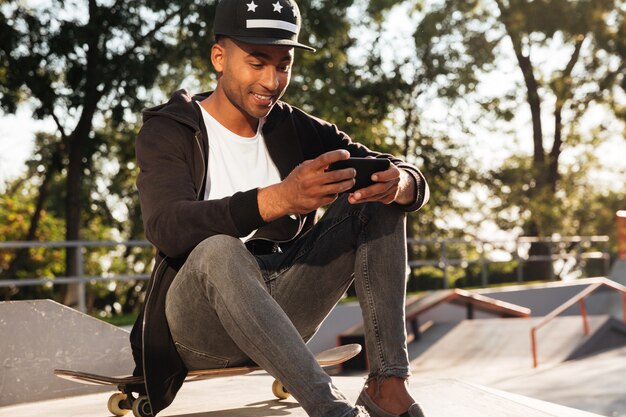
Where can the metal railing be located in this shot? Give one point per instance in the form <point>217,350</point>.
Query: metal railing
<point>80,278</point>
<point>595,284</point>
<point>443,261</point>
<point>514,249</point>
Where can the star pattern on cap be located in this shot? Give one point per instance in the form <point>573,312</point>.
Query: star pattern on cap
<point>252,6</point>
<point>277,7</point>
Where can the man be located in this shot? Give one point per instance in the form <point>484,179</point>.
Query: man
<point>229,184</point>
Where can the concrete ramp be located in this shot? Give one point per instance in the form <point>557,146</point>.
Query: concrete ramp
<point>484,350</point>
<point>41,335</point>
<point>249,396</point>
<point>618,271</point>
<point>593,383</point>
<point>614,304</point>
<point>611,335</point>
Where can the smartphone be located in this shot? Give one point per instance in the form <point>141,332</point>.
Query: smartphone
<point>365,168</point>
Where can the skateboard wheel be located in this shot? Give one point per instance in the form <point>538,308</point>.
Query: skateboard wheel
<point>115,404</point>
<point>279,390</point>
<point>141,407</point>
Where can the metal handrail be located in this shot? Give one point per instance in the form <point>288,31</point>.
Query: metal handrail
<point>444,261</point>
<point>80,279</point>
<point>72,244</point>
<point>595,284</point>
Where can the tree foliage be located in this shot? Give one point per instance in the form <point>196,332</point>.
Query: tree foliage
<point>92,65</point>
<point>570,60</point>
<point>80,63</point>
<point>92,72</point>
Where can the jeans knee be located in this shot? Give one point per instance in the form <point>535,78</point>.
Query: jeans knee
<point>382,212</point>
<point>216,252</point>
<point>217,244</point>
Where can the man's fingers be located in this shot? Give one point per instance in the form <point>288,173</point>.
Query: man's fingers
<point>325,159</point>
<point>339,175</point>
<point>390,174</point>
<point>383,192</point>
<point>338,187</point>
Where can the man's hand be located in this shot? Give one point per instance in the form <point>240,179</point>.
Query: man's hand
<point>391,185</point>
<point>308,187</point>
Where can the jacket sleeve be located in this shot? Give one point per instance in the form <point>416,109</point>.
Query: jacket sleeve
<point>175,218</point>
<point>333,138</point>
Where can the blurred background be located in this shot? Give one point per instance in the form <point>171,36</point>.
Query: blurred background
<point>514,110</point>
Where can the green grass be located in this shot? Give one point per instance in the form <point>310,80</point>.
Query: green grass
<point>125,320</point>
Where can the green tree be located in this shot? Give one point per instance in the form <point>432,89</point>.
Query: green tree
<point>592,72</point>
<point>570,60</point>
<point>80,63</point>
<point>93,70</point>
<point>16,207</point>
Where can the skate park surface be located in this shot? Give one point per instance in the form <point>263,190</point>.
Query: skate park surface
<point>251,396</point>
<point>467,368</point>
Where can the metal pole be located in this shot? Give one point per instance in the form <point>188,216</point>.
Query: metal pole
<point>583,313</point>
<point>520,272</point>
<point>624,306</point>
<point>483,265</point>
<point>533,346</point>
<point>550,254</point>
<point>80,268</point>
<point>444,256</point>
<point>607,259</point>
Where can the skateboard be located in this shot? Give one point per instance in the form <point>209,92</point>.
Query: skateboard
<point>122,402</point>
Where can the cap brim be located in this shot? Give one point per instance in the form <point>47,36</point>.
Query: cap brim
<point>272,41</point>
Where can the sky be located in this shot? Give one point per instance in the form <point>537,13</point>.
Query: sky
<point>17,135</point>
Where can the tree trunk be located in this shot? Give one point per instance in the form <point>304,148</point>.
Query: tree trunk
<point>536,270</point>
<point>563,92</point>
<point>532,87</point>
<point>73,219</point>
<point>555,153</point>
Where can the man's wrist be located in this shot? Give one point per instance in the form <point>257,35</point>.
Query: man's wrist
<point>407,191</point>
<point>271,204</point>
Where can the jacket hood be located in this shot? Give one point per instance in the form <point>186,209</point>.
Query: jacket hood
<point>179,108</point>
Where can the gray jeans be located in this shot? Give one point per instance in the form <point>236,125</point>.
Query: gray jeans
<point>227,306</point>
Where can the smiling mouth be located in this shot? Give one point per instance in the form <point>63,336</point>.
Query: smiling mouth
<point>262,97</point>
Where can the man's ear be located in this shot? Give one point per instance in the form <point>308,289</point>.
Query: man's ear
<point>217,57</point>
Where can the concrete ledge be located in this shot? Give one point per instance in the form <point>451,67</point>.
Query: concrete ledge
<point>41,335</point>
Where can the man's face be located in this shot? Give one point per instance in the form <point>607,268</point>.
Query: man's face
<point>253,77</point>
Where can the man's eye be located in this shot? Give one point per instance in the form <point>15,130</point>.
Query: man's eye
<point>256,66</point>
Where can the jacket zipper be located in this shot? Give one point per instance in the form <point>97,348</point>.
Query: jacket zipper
<point>143,328</point>
<point>204,173</point>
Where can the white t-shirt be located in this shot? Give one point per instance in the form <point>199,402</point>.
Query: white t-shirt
<point>236,163</point>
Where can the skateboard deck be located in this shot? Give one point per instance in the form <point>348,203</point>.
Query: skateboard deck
<point>124,401</point>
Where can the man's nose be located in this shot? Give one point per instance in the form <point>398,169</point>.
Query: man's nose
<point>270,78</point>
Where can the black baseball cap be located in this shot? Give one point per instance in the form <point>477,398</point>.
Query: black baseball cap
<point>260,22</point>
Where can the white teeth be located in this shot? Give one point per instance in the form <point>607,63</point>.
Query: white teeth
<point>260,97</point>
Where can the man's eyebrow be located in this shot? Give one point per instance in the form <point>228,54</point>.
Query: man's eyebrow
<point>267,57</point>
